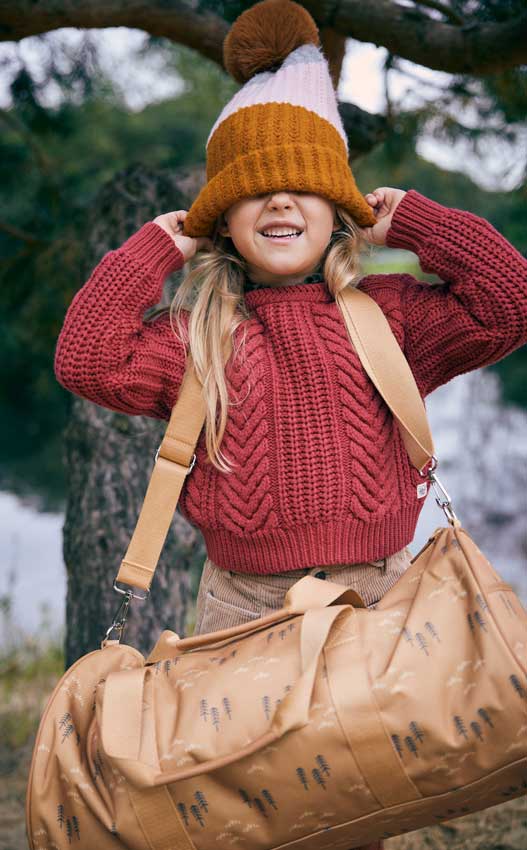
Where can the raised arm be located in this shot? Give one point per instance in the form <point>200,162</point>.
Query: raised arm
<point>478,314</point>
<point>105,352</point>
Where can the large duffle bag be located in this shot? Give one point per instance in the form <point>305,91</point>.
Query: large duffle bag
<point>325,724</point>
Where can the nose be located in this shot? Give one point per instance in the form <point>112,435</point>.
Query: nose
<point>280,198</point>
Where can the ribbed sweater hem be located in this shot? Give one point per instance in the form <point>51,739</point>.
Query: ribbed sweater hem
<point>344,541</point>
<point>155,249</point>
<point>414,220</point>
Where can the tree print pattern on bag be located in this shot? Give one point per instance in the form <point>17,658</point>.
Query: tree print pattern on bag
<point>381,753</point>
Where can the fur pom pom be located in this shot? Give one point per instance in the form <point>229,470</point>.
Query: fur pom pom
<point>262,36</point>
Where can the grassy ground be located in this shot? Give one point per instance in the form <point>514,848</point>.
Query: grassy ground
<point>502,827</point>
<point>28,674</point>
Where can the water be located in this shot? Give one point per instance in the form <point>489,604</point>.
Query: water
<point>32,569</point>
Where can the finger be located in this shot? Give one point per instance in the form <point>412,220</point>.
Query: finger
<point>181,225</point>
<point>378,197</point>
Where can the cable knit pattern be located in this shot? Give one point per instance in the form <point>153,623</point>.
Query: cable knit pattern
<point>321,475</point>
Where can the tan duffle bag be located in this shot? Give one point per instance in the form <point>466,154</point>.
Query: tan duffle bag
<point>325,724</point>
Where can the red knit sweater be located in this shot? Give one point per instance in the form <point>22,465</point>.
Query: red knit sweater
<point>322,476</point>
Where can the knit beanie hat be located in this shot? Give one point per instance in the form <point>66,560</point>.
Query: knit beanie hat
<point>282,128</point>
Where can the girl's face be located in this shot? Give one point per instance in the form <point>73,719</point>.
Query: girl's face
<point>280,261</point>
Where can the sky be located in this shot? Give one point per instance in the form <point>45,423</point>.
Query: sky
<point>362,84</point>
<point>143,81</point>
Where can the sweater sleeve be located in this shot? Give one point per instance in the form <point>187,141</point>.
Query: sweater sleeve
<point>477,315</point>
<point>105,352</point>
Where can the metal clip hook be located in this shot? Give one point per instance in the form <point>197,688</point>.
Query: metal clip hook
<point>119,618</point>
<point>446,504</point>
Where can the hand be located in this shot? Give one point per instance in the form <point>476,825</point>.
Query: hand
<point>384,201</point>
<point>172,222</point>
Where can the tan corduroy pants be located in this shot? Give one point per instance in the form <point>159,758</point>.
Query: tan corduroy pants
<point>227,598</point>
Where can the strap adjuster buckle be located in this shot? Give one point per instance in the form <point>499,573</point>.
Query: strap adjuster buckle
<point>192,462</point>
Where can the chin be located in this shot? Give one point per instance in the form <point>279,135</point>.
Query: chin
<point>285,269</point>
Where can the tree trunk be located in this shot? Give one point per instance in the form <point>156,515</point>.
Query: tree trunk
<point>110,456</point>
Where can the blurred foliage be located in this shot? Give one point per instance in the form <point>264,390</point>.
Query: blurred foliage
<point>57,152</point>
<point>30,665</point>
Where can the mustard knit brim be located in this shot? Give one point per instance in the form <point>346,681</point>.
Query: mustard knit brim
<point>297,167</point>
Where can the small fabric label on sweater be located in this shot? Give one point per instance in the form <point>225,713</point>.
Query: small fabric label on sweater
<point>421,491</point>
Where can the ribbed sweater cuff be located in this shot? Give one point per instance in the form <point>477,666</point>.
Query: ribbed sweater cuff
<point>154,248</point>
<point>414,219</point>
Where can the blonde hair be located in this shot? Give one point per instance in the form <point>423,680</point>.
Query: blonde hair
<point>212,294</point>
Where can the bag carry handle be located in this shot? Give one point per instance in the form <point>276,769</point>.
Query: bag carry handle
<point>121,731</point>
<point>307,593</point>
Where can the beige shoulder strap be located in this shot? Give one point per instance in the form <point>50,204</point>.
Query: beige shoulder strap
<point>385,364</point>
<point>388,368</point>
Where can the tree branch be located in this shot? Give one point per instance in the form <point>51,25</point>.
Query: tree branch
<point>363,129</point>
<point>477,48</point>
<point>23,235</point>
<point>13,121</point>
<point>334,47</point>
<point>177,21</point>
<point>445,10</point>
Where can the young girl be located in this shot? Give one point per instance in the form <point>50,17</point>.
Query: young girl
<point>300,467</point>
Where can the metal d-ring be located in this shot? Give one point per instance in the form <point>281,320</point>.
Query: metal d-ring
<point>432,468</point>
<point>119,618</point>
<point>135,595</point>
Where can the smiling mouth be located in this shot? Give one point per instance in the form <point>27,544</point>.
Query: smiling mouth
<point>282,238</point>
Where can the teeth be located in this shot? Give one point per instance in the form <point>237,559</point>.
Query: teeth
<point>271,233</point>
